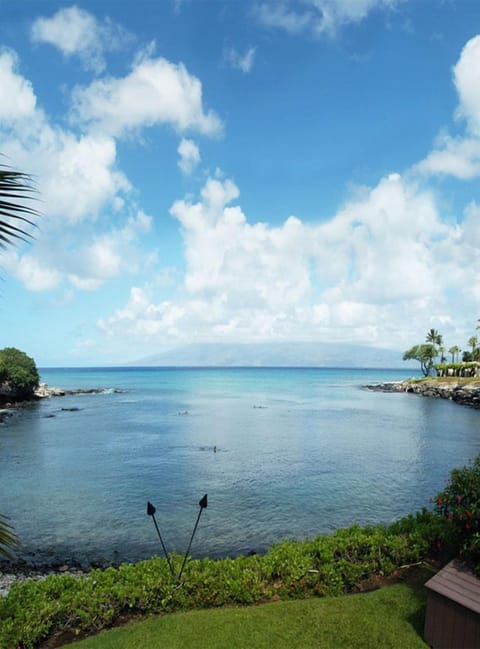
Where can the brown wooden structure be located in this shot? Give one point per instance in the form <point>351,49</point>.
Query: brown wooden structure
<point>452,618</point>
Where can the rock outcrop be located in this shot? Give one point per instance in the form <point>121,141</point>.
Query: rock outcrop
<point>463,392</point>
<point>9,402</point>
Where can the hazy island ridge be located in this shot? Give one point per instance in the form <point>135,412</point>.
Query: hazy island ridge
<point>296,354</point>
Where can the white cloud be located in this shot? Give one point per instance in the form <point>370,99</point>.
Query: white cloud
<point>31,271</point>
<point>243,62</point>
<point>85,260</point>
<point>76,32</point>
<point>78,175</point>
<point>80,185</point>
<point>155,92</point>
<point>189,156</point>
<point>460,156</point>
<point>351,278</point>
<point>17,99</point>
<point>467,81</point>
<point>317,16</point>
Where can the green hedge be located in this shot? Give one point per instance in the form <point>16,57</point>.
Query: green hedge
<point>325,565</point>
<point>465,369</point>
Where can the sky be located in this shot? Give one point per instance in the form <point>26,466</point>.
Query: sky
<point>254,171</point>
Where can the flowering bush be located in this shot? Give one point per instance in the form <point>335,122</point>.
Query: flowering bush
<point>459,502</point>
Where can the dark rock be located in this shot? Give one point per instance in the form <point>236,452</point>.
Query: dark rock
<point>466,394</point>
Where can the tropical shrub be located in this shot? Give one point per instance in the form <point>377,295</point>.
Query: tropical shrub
<point>459,504</point>
<point>466,369</point>
<point>325,565</point>
<point>18,373</point>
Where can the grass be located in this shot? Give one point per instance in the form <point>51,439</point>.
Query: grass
<point>388,618</point>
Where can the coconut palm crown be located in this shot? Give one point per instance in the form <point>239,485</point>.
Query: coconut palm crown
<point>15,217</point>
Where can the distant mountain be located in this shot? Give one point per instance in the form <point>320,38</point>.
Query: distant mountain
<point>277,355</point>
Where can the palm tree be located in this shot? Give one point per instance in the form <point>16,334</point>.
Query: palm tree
<point>15,188</point>
<point>435,339</point>
<point>441,351</point>
<point>454,351</point>
<point>8,540</point>
<point>473,342</point>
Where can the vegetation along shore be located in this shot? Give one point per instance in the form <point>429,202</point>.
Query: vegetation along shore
<point>457,381</point>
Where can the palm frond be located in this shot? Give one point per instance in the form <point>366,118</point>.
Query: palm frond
<point>8,539</point>
<point>16,187</point>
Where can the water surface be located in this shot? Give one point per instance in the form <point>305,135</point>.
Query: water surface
<point>299,452</point>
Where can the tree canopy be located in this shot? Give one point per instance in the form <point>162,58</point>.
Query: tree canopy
<point>18,372</point>
<point>425,354</point>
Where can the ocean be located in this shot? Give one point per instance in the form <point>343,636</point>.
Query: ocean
<point>281,453</point>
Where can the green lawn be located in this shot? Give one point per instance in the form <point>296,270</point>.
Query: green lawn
<point>391,617</point>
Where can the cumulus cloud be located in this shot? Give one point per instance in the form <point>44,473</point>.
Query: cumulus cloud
<point>348,278</point>
<point>80,185</point>
<point>17,99</point>
<point>189,156</point>
<point>317,16</point>
<point>155,92</point>
<point>77,167</point>
<point>34,274</point>
<point>243,62</point>
<point>84,262</point>
<point>467,82</point>
<point>460,156</point>
<point>78,174</point>
<point>76,32</point>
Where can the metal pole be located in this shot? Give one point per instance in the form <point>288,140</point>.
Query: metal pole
<point>203,505</point>
<point>151,512</point>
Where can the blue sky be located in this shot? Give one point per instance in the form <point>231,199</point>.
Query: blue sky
<point>221,171</point>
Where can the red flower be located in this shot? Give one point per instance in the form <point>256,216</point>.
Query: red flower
<point>440,501</point>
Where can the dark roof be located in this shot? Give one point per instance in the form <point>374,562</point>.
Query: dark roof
<point>457,583</point>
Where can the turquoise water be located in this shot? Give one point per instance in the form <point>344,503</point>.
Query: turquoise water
<point>299,452</point>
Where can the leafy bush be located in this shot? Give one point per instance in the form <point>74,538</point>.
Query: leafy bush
<point>325,565</point>
<point>466,369</point>
<point>18,373</point>
<point>459,503</point>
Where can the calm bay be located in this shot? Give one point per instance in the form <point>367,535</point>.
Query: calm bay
<point>281,453</point>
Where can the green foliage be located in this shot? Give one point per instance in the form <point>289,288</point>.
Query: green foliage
<point>18,371</point>
<point>325,565</point>
<point>15,185</point>
<point>474,355</point>
<point>459,503</point>
<point>457,369</point>
<point>388,618</point>
<point>425,354</point>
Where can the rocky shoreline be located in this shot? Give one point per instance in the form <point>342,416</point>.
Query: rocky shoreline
<point>466,393</point>
<point>16,574</point>
<point>20,570</point>
<point>9,406</point>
